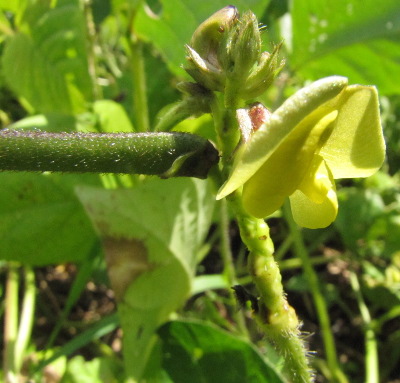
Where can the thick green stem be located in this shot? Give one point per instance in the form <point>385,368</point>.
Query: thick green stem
<point>10,369</point>
<point>163,154</point>
<point>371,343</point>
<point>227,129</point>
<point>276,317</point>
<point>319,300</point>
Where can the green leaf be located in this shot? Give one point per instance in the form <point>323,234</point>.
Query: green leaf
<point>112,117</point>
<point>47,64</point>
<point>48,122</point>
<point>41,221</point>
<point>97,370</point>
<point>201,353</point>
<point>359,209</point>
<point>173,28</point>
<point>151,235</point>
<point>359,40</point>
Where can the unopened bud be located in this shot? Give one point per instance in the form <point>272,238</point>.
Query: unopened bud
<point>246,45</point>
<point>207,36</point>
<point>204,72</point>
<point>263,74</point>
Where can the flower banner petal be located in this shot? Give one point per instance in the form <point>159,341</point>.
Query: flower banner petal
<point>252,155</point>
<point>356,147</point>
<point>286,168</point>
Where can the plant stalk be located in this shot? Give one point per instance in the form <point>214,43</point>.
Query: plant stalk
<point>27,316</point>
<point>10,369</point>
<point>140,105</point>
<point>274,315</point>
<point>319,300</point>
<point>371,343</point>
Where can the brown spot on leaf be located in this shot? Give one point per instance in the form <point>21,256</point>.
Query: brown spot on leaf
<point>126,259</point>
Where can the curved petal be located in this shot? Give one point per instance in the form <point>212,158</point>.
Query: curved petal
<point>303,105</point>
<point>307,213</point>
<point>286,168</point>
<point>356,147</point>
<point>318,181</point>
<point>315,204</point>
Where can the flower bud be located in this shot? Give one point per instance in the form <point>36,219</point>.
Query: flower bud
<point>203,71</point>
<point>263,74</point>
<point>245,46</point>
<point>206,38</point>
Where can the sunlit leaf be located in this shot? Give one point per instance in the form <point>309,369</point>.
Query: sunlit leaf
<point>41,220</point>
<point>356,39</point>
<point>151,237</point>
<point>46,62</point>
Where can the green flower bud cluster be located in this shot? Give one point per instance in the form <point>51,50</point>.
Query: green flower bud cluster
<point>225,55</point>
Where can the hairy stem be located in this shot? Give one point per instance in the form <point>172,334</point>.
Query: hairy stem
<point>276,317</point>
<point>163,154</point>
<point>319,300</point>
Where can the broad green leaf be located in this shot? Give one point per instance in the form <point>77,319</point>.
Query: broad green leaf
<point>359,209</point>
<point>170,30</point>
<point>112,117</point>
<point>84,122</point>
<point>201,353</point>
<point>41,221</point>
<point>151,237</point>
<point>97,370</point>
<point>47,122</point>
<point>46,62</point>
<point>356,39</point>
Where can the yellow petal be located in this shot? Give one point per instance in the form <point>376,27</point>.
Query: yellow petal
<point>285,169</point>
<point>283,121</point>
<point>356,147</point>
<point>315,204</point>
<point>307,213</point>
<point>318,181</point>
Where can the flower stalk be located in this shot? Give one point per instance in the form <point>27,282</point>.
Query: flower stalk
<point>275,316</point>
<point>231,65</point>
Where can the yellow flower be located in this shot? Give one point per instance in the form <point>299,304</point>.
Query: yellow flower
<point>327,130</point>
